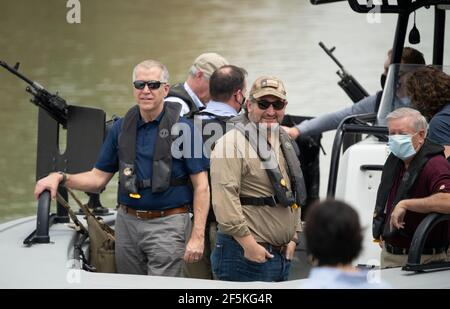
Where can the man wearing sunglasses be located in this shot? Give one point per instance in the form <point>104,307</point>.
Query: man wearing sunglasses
<point>156,189</point>
<point>257,189</point>
<point>193,94</point>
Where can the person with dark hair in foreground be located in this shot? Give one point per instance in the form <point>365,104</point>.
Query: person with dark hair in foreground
<point>334,239</point>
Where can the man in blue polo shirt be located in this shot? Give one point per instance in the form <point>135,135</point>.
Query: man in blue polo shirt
<point>157,183</point>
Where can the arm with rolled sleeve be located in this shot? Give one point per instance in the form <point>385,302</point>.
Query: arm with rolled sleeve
<point>331,121</point>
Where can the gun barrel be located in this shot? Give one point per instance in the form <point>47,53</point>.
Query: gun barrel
<point>329,52</point>
<point>348,83</point>
<point>17,73</point>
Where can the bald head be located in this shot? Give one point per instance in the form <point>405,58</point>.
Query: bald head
<point>225,81</point>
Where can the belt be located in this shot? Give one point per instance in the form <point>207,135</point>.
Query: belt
<point>259,201</point>
<point>272,248</point>
<point>152,214</point>
<point>174,182</point>
<point>398,250</point>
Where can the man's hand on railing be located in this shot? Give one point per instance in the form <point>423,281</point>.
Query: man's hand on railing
<point>51,182</point>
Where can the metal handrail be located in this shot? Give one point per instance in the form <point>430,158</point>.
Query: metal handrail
<point>344,128</point>
<point>418,243</point>
<point>402,7</point>
<point>43,221</point>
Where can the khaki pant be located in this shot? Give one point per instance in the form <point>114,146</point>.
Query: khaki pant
<point>152,247</point>
<point>202,269</point>
<point>389,260</point>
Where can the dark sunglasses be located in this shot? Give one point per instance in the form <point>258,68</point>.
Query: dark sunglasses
<point>277,105</point>
<point>151,84</point>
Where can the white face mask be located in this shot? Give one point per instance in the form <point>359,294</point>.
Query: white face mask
<point>401,146</point>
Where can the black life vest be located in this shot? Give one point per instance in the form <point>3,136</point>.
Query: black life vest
<point>178,91</point>
<point>391,168</point>
<point>294,197</point>
<point>162,159</point>
<point>210,134</point>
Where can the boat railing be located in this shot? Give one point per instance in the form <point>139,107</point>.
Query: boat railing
<point>350,125</point>
<point>418,243</point>
<point>399,7</point>
<point>43,222</point>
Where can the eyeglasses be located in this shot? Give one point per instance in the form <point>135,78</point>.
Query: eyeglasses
<point>277,105</point>
<point>151,84</point>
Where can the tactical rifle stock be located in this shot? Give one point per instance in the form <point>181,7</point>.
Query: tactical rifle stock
<point>53,104</point>
<point>348,83</point>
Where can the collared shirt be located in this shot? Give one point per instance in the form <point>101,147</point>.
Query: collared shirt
<point>184,106</point>
<point>334,278</point>
<point>218,109</point>
<point>194,97</point>
<point>237,171</point>
<point>108,161</point>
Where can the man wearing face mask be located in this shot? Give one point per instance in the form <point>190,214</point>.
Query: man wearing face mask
<point>367,105</point>
<point>415,180</point>
<point>227,88</point>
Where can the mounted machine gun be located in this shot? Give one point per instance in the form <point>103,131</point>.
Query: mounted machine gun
<point>53,104</point>
<point>348,83</point>
<point>85,129</point>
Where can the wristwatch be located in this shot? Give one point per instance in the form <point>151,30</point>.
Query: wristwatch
<point>64,178</point>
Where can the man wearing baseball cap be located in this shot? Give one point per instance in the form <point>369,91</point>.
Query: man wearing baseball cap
<point>193,94</point>
<point>257,189</point>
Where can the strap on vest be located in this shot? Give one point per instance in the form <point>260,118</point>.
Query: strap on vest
<point>285,196</point>
<point>174,182</point>
<point>271,201</point>
<point>162,157</point>
<point>214,116</point>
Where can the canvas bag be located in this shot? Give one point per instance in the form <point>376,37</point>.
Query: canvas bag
<point>102,239</point>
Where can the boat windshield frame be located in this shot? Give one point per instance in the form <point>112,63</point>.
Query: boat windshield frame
<point>394,92</point>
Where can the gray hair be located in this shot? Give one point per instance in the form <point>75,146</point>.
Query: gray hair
<point>194,70</point>
<point>149,64</point>
<point>418,120</point>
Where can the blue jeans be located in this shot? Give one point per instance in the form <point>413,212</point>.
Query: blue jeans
<point>228,263</point>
